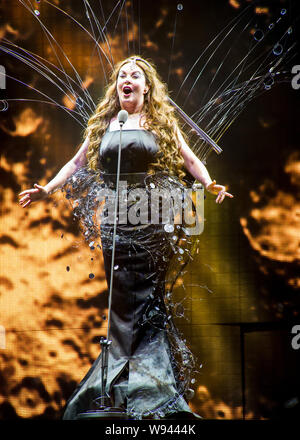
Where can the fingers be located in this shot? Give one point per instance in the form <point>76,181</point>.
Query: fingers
<point>34,194</point>
<point>26,199</point>
<point>28,191</point>
<point>26,204</point>
<point>23,199</point>
<point>23,192</point>
<point>221,196</point>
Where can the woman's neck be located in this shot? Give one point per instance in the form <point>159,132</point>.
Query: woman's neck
<point>132,108</point>
<point>134,115</point>
<point>134,121</point>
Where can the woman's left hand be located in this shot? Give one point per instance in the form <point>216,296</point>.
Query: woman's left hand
<point>219,190</point>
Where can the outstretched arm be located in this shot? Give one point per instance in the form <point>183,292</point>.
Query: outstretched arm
<point>39,192</point>
<point>199,171</point>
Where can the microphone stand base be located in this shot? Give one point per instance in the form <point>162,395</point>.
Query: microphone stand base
<point>106,413</point>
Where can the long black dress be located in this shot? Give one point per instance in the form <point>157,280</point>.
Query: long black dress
<point>143,375</point>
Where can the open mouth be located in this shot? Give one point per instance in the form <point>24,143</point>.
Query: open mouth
<point>127,90</point>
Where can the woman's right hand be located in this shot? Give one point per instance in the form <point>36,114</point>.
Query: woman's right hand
<point>34,194</point>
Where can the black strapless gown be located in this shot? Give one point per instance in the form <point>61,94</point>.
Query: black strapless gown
<point>143,377</point>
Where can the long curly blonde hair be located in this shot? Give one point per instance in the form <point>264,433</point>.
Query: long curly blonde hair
<point>159,118</point>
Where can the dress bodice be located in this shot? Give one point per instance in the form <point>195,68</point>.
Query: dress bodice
<point>139,148</point>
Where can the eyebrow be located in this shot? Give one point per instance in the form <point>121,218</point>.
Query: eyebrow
<point>135,71</point>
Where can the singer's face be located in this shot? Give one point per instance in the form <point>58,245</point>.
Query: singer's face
<point>131,86</point>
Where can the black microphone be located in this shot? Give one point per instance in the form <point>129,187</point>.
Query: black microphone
<point>122,117</point>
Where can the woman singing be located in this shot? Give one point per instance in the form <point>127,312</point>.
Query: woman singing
<point>144,378</point>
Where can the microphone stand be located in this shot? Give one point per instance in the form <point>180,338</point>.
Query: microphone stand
<point>103,402</point>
